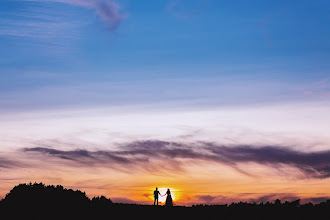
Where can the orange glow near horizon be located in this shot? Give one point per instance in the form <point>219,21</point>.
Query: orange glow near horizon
<point>196,186</point>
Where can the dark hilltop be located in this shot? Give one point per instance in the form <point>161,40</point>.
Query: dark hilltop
<point>39,201</point>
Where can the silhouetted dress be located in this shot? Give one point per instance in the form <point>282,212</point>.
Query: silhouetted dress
<point>169,201</point>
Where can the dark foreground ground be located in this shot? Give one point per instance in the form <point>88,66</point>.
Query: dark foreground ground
<point>37,201</point>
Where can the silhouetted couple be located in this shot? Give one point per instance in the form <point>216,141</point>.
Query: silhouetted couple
<point>169,201</point>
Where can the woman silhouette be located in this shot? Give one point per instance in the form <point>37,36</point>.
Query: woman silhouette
<point>169,201</point>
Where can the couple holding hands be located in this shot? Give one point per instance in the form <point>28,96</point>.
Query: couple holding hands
<point>168,202</point>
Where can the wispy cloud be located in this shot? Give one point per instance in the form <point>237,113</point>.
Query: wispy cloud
<point>205,198</point>
<point>8,163</point>
<point>81,156</point>
<point>47,28</point>
<point>178,92</point>
<point>107,10</point>
<point>311,164</point>
<point>51,26</point>
<point>40,29</point>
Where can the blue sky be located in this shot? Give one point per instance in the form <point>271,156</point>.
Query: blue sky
<point>58,43</point>
<point>101,77</point>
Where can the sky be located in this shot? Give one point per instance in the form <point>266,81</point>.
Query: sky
<point>220,101</point>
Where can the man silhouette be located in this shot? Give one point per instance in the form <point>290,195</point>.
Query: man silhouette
<point>156,193</point>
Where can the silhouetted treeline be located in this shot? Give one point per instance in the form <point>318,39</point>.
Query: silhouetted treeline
<point>276,204</point>
<point>38,201</point>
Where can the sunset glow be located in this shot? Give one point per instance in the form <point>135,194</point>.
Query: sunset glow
<point>218,101</point>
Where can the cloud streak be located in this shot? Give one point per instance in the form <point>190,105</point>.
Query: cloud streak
<point>5,163</point>
<point>107,10</point>
<point>81,156</point>
<point>311,164</point>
